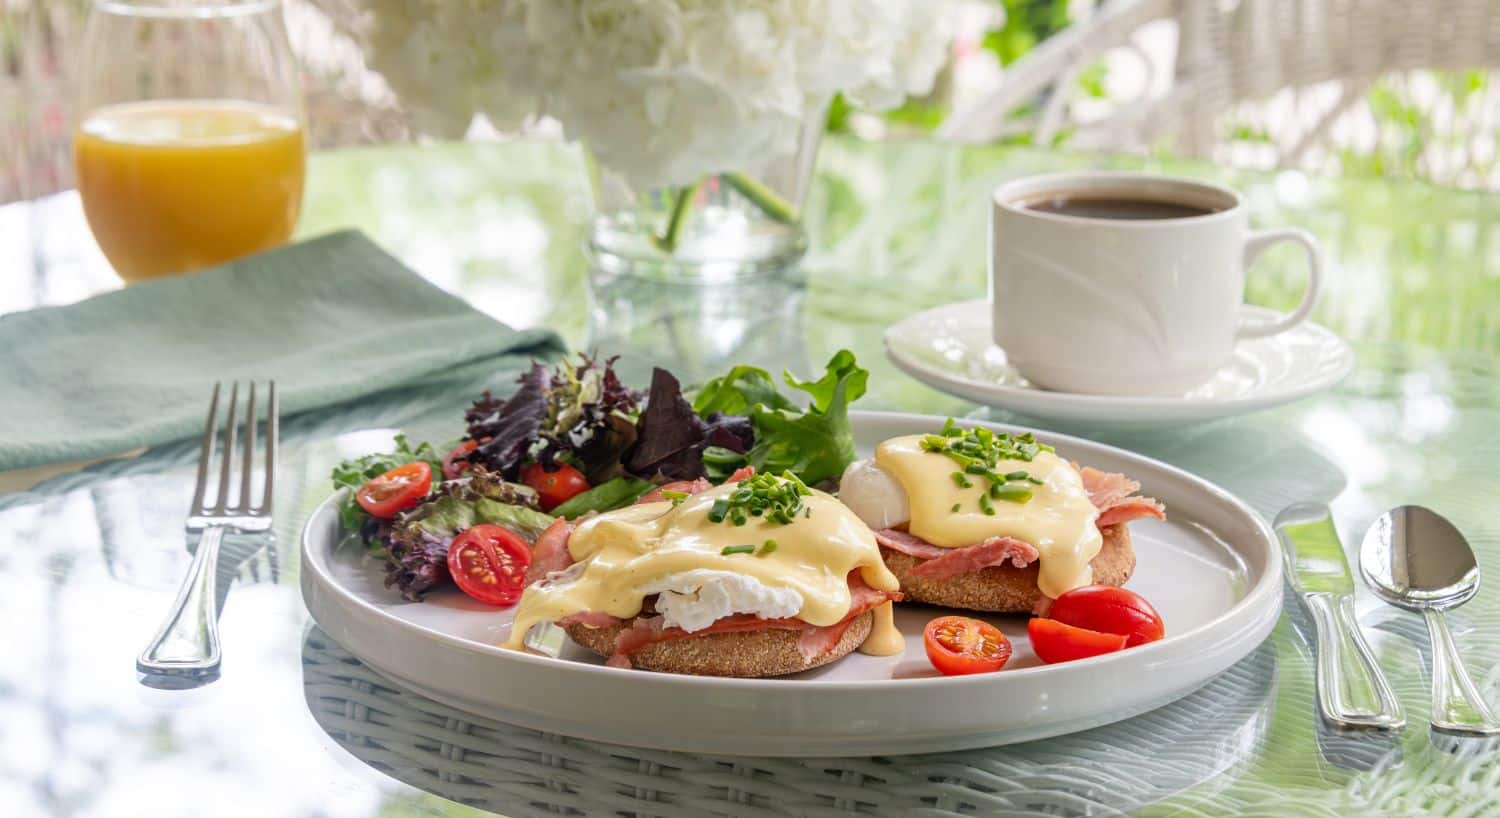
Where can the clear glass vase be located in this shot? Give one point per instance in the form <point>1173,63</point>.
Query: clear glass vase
<point>727,225</point>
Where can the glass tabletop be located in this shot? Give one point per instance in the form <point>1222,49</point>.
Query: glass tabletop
<point>296,726</point>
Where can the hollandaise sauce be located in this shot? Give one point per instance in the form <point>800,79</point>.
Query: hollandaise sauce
<point>620,554</point>
<point>1040,500</point>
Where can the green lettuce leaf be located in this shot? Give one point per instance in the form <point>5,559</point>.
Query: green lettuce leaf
<point>735,393</point>
<point>449,515</point>
<point>815,443</point>
<point>841,372</point>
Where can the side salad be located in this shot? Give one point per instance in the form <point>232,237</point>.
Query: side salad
<point>574,440</point>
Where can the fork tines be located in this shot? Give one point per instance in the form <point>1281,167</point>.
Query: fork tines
<point>218,510</point>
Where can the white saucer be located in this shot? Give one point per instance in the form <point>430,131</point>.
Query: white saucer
<point>950,349</point>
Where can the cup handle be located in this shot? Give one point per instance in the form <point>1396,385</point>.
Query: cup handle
<point>1256,244</point>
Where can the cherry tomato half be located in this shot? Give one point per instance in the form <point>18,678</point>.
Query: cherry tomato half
<point>488,562</point>
<point>957,645</point>
<point>557,486</point>
<point>1108,609</point>
<point>396,490</point>
<point>454,463</point>
<point>1055,641</point>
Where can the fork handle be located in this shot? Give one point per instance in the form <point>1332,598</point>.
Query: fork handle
<point>187,643</point>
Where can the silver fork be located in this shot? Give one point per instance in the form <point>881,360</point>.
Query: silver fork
<point>187,643</point>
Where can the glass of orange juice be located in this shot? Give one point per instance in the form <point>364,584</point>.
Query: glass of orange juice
<point>190,147</point>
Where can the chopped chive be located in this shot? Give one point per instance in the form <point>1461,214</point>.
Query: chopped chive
<point>675,496</point>
<point>1015,494</point>
<point>768,547</point>
<point>979,451</point>
<point>985,505</point>
<point>956,507</point>
<point>737,549</point>
<point>763,495</point>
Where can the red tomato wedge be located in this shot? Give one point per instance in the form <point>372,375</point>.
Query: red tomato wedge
<point>488,562</point>
<point>557,486</point>
<point>1055,641</point>
<point>741,473</point>
<point>1109,609</point>
<point>454,463</point>
<point>396,490</point>
<point>959,645</point>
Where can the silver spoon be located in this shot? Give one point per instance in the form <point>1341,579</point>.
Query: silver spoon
<point>1412,557</point>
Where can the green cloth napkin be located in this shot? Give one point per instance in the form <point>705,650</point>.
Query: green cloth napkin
<point>330,320</point>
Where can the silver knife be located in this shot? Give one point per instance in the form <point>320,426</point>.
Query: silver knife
<point>1352,692</point>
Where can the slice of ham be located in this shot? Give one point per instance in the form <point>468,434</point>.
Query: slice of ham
<point>992,552</point>
<point>684,486</point>
<point>693,486</point>
<point>550,551</point>
<point>946,562</point>
<point>1113,494</point>
<point>907,543</point>
<point>1131,508</point>
<point>815,641</point>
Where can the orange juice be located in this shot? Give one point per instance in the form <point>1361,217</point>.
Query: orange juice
<point>176,185</point>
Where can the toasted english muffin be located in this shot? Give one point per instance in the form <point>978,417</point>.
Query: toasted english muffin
<point>1006,589</point>
<point>747,654</point>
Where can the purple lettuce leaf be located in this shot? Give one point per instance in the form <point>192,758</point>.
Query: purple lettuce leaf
<point>510,427</point>
<point>671,437</point>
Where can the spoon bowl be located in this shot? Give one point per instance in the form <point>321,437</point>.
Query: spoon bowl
<point>1412,557</point>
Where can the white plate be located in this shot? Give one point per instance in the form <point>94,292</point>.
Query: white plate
<point>1212,571</point>
<point>950,348</point>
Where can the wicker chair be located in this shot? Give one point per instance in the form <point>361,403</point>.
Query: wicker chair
<point>1274,83</point>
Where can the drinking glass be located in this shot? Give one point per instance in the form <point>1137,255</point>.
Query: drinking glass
<point>190,144</point>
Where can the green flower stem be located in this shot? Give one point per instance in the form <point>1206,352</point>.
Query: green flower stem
<point>668,241</point>
<point>772,204</point>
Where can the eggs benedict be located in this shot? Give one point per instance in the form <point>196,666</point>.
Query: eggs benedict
<point>761,576</point>
<point>971,518</point>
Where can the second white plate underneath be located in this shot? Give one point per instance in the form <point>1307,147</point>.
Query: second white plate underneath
<point>950,348</point>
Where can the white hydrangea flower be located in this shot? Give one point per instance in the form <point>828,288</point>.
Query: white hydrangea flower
<point>664,92</point>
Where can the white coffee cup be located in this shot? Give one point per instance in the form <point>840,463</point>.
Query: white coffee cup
<point>1126,306</point>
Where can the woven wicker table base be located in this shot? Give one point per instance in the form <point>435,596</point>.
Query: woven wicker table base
<point>519,772</point>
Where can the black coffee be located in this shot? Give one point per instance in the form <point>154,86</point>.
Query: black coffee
<point>1107,207</point>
